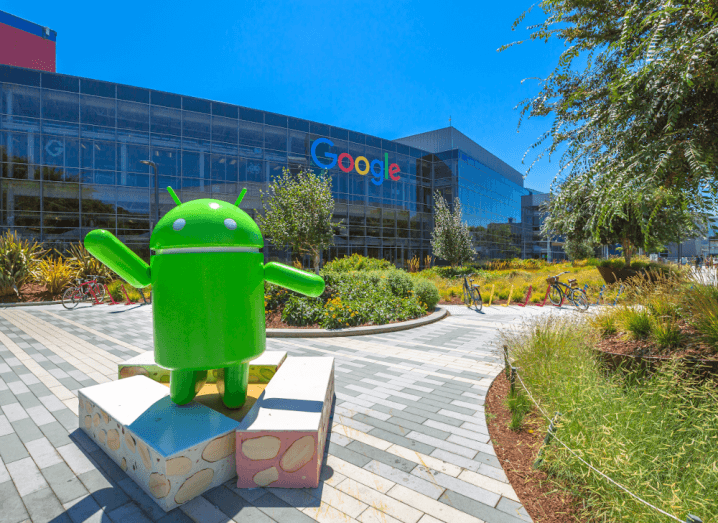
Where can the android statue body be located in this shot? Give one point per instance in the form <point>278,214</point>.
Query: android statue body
<point>207,277</point>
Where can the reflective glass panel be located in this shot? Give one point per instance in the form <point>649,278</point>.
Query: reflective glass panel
<point>19,100</point>
<point>58,105</point>
<point>97,111</point>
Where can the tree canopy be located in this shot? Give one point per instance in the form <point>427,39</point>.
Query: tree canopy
<point>298,211</point>
<point>634,102</point>
<point>450,239</point>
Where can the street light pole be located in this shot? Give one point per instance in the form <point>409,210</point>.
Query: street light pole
<point>157,190</point>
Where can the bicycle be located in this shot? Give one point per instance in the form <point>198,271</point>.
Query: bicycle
<point>85,290</point>
<point>472,294</point>
<point>560,290</point>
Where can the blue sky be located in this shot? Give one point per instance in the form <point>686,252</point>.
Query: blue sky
<point>385,68</point>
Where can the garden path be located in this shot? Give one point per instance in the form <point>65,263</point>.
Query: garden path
<point>409,441</point>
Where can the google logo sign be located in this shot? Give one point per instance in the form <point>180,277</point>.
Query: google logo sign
<point>380,170</point>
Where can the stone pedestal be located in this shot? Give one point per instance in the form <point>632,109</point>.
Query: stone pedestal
<point>261,369</point>
<point>172,452</point>
<point>280,442</point>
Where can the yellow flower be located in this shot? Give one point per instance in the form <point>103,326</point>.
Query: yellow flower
<point>334,316</point>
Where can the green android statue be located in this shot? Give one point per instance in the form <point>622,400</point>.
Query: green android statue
<point>207,277</point>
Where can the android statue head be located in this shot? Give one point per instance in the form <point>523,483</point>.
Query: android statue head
<point>207,224</point>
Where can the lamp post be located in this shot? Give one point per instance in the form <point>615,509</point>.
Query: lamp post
<point>157,190</point>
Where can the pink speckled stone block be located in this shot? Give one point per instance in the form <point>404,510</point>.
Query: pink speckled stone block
<point>281,440</point>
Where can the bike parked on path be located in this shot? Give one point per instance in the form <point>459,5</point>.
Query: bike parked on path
<point>89,289</point>
<point>472,294</point>
<point>560,291</point>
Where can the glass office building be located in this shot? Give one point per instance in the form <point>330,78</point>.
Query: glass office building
<point>71,151</point>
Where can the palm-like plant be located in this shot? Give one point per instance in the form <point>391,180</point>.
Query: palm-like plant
<point>18,259</point>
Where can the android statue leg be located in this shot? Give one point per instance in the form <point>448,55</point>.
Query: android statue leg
<point>185,384</point>
<point>232,385</point>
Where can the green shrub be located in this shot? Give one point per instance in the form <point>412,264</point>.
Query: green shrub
<point>274,296</point>
<point>115,289</point>
<point>399,283</point>
<point>427,293</point>
<point>637,322</point>
<point>302,311</point>
<point>357,262</point>
<point>613,263</point>
<point>593,262</point>
<point>453,272</point>
<point>18,260</point>
<point>639,265</point>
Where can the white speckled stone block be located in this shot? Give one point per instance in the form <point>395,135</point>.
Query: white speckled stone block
<point>261,369</point>
<point>280,442</point>
<point>174,453</point>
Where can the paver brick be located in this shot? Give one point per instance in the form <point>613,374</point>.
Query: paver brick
<point>476,508</point>
<point>235,507</point>
<point>279,510</point>
<point>12,449</point>
<point>63,482</point>
<point>428,488</point>
<point>14,412</point>
<point>43,453</point>
<point>13,509</point>
<point>374,453</point>
<point>128,512</point>
<point>43,507</point>
<point>404,512</point>
<point>26,430</point>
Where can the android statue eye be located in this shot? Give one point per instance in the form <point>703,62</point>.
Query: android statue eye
<point>230,224</point>
<point>178,224</point>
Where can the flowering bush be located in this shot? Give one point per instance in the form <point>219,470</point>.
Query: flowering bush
<point>357,262</point>
<point>353,299</point>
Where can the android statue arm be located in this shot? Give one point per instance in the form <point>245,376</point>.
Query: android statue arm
<point>294,279</point>
<point>104,246</point>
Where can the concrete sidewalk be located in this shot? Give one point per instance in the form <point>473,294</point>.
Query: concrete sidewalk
<point>409,441</point>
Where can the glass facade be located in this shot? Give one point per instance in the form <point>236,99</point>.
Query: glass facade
<point>71,151</point>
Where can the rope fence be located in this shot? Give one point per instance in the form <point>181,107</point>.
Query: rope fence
<point>512,373</point>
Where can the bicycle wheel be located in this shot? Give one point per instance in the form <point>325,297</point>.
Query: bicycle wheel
<point>555,296</point>
<point>478,302</point>
<point>579,299</point>
<point>99,291</point>
<point>468,298</point>
<point>68,298</point>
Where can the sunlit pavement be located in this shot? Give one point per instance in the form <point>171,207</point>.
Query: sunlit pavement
<point>409,441</point>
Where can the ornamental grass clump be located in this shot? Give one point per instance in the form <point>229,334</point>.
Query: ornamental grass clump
<point>656,434</point>
<point>636,322</point>
<point>703,305</point>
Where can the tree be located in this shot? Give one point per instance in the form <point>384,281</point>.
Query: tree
<point>640,114</point>
<point>651,220</point>
<point>578,249</point>
<point>298,211</point>
<point>450,239</point>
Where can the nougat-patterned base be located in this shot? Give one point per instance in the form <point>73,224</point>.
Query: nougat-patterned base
<point>281,440</point>
<point>174,453</point>
<point>261,369</point>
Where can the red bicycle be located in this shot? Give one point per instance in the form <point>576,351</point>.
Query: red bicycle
<point>89,289</point>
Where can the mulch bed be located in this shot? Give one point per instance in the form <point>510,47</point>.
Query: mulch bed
<point>691,347</point>
<point>30,292</point>
<point>544,499</point>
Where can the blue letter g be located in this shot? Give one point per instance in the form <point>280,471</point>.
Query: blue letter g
<point>332,156</point>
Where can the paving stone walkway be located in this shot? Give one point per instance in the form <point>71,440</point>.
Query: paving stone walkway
<point>408,444</point>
